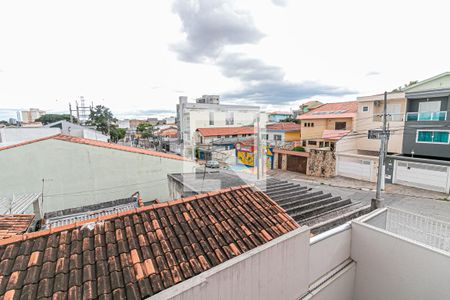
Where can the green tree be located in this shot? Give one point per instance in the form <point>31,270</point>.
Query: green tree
<point>145,129</point>
<point>51,118</point>
<point>117,134</point>
<point>102,118</point>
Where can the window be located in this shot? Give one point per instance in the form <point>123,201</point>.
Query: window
<point>327,144</point>
<point>340,125</point>
<point>219,136</point>
<point>365,109</point>
<point>312,143</point>
<point>211,118</point>
<point>304,143</point>
<point>312,124</point>
<point>430,106</point>
<point>432,137</point>
<point>265,136</point>
<point>230,118</point>
<point>277,137</point>
<point>320,144</point>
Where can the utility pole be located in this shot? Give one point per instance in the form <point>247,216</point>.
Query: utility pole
<point>258,149</point>
<point>70,112</point>
<point>378,202</point>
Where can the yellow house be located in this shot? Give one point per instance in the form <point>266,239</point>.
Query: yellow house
<point>328,123</point>
<point>278,134</point>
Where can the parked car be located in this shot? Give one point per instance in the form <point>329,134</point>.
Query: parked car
<point>213,164</point>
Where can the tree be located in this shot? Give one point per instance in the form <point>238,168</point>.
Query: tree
<point>145,129</point>
<point>51,118</point>
<point>102,118</point>
<point>117,134</point>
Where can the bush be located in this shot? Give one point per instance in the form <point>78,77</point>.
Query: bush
<point>299,149</point>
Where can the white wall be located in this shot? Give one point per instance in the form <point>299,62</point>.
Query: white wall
<point>390,267</point>
<point>94,135</point>
<point>275,270</point>
<point>77,174</point>
<point>10,136</point>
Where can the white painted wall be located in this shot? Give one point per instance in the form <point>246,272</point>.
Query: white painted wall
<point>11,136</point>
<point>77,174</point>
<point>275,270</point>
<point>390,267</point>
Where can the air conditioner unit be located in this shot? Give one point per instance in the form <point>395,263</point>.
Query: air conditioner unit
<point>377,103</point>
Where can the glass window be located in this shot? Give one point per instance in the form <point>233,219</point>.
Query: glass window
<point>365,109</point>
<point>340,125</point>
<point>433,137</point>
<point>313,143</point>
<point>425,136</point>
<point>211,118</point>
<point>440,137</point>
<point>277,137</point>
<point>230,118</point>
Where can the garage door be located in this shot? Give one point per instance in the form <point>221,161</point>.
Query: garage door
<point>354,168</point>
<point>296,163</point>
<point>426,176</point>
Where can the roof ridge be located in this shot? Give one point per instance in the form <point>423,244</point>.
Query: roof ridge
<point>95,143</point>
<point>51,230</point>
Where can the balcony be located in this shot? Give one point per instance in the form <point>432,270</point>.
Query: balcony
<point>427,116</point>
<point>389,117</point>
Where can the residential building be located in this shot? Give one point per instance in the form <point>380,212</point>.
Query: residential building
<point>14,204</point>
<point>357,154</point>
<point>72,129</point>
<point>425,157</point>
<point>278,116</point>
<point>73,172</point>
<point>306,107</point>
<point>30,116</point>
<point>279,134</point>
<point>326,124</point>
<point>229,135</point>
<point>208,112</point>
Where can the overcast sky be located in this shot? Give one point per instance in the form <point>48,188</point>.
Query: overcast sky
<point>137,57</point>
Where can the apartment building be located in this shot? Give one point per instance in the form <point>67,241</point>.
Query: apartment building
<point>357,154</point>
<point>207,112</point>
<point>326,124</point>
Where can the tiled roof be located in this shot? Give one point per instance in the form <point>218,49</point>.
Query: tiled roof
<point>170,132</point>
<point>284,126</point>
<point>138,253</point>
<point>215,131</point>
<point>95,143</point>
<point>332,111</point>
<point>11,225</point>
<point>334,134</point>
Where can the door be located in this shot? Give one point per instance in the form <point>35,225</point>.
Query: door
<point>426,176</point>
<point>354,167</point>
<point>296,163</point>
<point>280,161</point>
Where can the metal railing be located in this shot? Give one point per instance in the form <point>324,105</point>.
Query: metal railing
<point>427,116</point>
<point>425,230</point>
<point>389,117</point>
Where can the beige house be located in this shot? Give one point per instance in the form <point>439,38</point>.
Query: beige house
<point>357,155</point>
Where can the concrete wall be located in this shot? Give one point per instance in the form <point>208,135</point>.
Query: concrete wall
<point>391,267</point>
<point>10,136</point>
<point>77,174</point>
<point>275,270</point>
<point>328,253</point>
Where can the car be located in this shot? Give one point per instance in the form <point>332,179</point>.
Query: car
<point>213,164</point>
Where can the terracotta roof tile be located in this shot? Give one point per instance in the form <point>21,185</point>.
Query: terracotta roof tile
<point>139,253</point>
<point>95,143</point>
<point>332,111</point>
<point>284,126</point>
<point>215,131</point>
<point>11,225</point>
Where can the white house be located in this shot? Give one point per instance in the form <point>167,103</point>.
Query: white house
<point>72,171</point>
<point>208,112</point>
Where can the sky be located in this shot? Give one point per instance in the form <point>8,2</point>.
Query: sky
<point>138,57</point>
